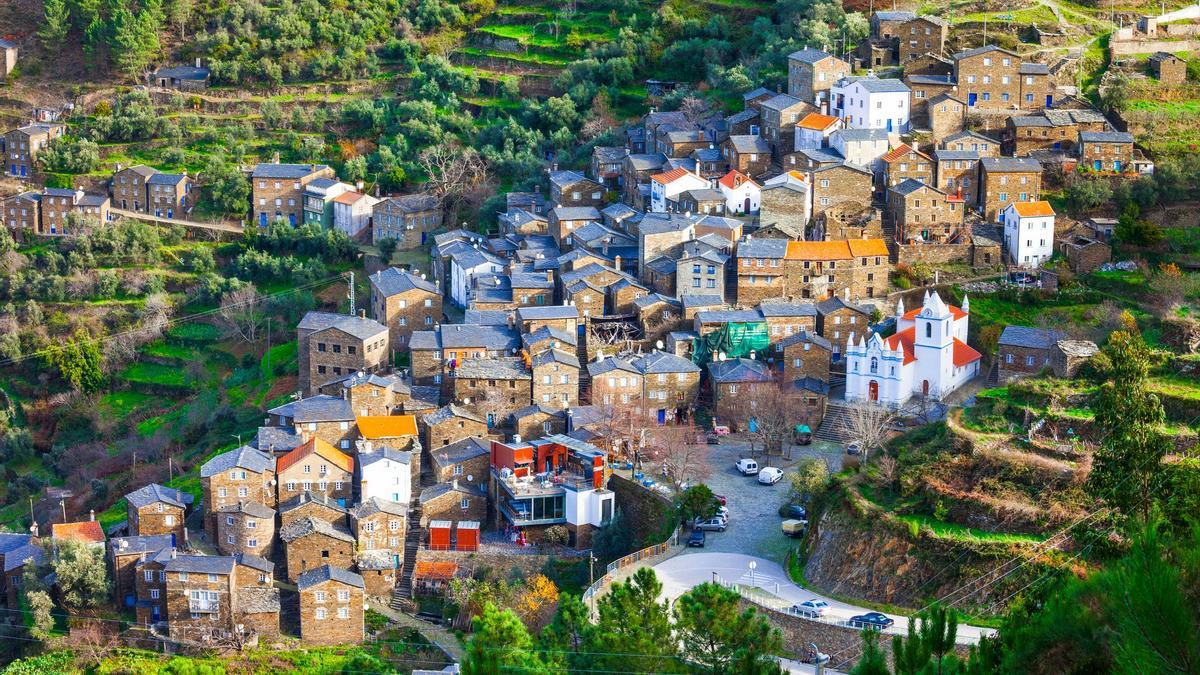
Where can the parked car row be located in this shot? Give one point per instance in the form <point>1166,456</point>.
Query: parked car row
<point>815,609</point>
<point>767,475</point>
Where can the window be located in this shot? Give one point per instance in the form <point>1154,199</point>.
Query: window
<point>148,575</point>
<point>153,593</point>
<point>343,612</point>
<point>466,503</point>
<point>228,520</point>
<point>319,614</point>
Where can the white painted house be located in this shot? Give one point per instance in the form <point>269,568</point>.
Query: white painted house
<point>872,103</point>
<point>927,356</point>
<point>385,473</point>
<point>352,212</point>
<point>814,130</point>
<point>1028,232</point>
<point>743,196</point>
<point>666,187</point>
<point>465,263</point>
<point>861,147</point>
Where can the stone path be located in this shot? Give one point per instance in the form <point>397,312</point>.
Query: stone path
<point>438,635</point>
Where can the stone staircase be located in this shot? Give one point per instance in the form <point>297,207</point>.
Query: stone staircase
<point>835,428</point>
<point>402,595</point>
<point>585,379</point>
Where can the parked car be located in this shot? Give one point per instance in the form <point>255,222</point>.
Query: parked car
<point>854,448</point>
<point>696,538</point>
<point>712,438</point>
<point>812,608</point>
<point>793,511</point>
<point>723,512</point>
<point>794,528</point>
<point>747,466</point>
<point>770,475</point>
<point>721,429</point>
<point>715,523</point>
<point>872,620</point>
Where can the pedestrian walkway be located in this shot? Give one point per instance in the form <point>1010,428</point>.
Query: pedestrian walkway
<point>438,635</point>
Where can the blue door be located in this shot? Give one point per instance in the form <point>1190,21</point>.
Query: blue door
<point>1058,146</point>
<point>971,98</point>
<point>341,502</point>
<point>396,562</point>
<point>262,219</point>
<point>154,615</point>
<point>1049,100</point>
<point>23,171</point>
<point>491,420</point>
<point>424,236</point>
<point>1096,165</point>
<point>1117,165</point>
<point>292,219</point>
<point>889,126</point>
<point>662,416</point>
<point>170,213</point>
<point>158,213</point>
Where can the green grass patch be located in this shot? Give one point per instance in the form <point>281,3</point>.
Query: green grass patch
<point>153,373</point>
<point>530,58</point>
<point>120,404</point>
<point>171,351</point>
<point>195,332</point>
<point>148,427</point>
<point>962,532</point>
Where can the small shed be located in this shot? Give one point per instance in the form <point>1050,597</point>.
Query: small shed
<point>439,535</point>
<point>432,577</point>
<point>468,536</point>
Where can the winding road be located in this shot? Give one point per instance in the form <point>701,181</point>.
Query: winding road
<point>681,573</point>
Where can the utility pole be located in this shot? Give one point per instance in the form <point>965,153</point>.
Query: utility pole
<point>268,347</point>
<point>592,579</point>
<point>351,293</point>
<point>170,468</point>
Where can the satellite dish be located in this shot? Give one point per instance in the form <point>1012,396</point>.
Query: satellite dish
<point>720,356</point>
<point>466,401</point>
<point>659,344</point>
<point>470,477</point>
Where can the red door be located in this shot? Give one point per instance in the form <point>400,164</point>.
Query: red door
<point>925,387</point>
<point>873,390</point>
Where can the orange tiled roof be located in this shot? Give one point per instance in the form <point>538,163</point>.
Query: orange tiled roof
<point>319,447</point>
<point>1033,209</point>
<point>904,339</point>
<point>88,531</point>
<point>386,426</point>
<point>865,247</point>
<point>897,152</point>
<point>817,121</point>
<point>955,312</point>
<point>348,197</point>
<point>670,176</point>
<point>818,250</point>
<point>430,569</point>
<point>731,180</point>
<point>964,353</point>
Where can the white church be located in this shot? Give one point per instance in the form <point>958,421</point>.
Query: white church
<point>927,356</point>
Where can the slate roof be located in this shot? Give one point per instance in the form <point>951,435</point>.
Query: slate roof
<point>805,336</point>
<point>609,364</point>
<point>141,544</point>
<point>16,557</point>
<point>494,338</point>
<point>393,281</point>
<point>1034,338</point>
<point>576,213</point>
<point>537,409</point>
<point>655,298</point>
<point>328,573</point>
<point>951,155</point>
<point>536,280</point>
<point>91,200</point>
<point>438,489</point>
<point>547,312</point>
<point>309,497</point>
<point>182,73</point>
<point>291,171</point>
<point>1105,137</point>
<point>549,333</point>
<point>875,85</point>
<point>750,144</point>
<point>664,362</point>
<point>609,155</point>
<point>250,508</point>
<point>820,156</point>
<point>369,507</point>
<point>486,317</point>
<point>647,161</point>
<point>381,453</point>
<point>555,356</point>
<point>447,412</point>
<point>830,305</point>
<point>809,55</point>
<point>1010,164</point>
<point>1031,68</point>
<point>357,326</point>
<point>763,248</point>
<point>772,309</point>
<point>729,316</point>
<point>565,178</point>
<point>895,16</point>
<point>504,368</point>
<point>10,541</point>
<point>320,408</point>
<point>909,186</point>
<point>861,134</point>
<point>303,527</point>
<point>812,384</point>
<point>460,451</point>
<point>739,370</point>
<point>153,493</point>
<point>244,457</point>
<point>277,439</point>
<point>166,179</point>
<point>983,50</point>
<point>201,564</point>
<point>660,223</point>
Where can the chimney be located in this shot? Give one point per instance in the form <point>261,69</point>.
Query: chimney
<point>550,276</point>
<point>362,313</point>
<point>454,484</point>
<point>172,553</point>
<point>617,262</point>
<point>197,61</point>
<point>92,515</point>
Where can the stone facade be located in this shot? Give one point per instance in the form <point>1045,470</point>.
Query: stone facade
<point>921,213</point>
<point>468,457</point>
<point>21,212</point>
<point>333,345</point>
<point>246,528</point>
<point>750,155</point>
<point>408,219</point>
<point>947,115</point>
<point>1016,361</point>
<point>278,191</point>
<point>332,608</point>
<point>804,355</point>
<point>1084,255</point>
<point>922,35</point>
<point>1168,68</point>
<point>156,518</point>
<point>991,77</point>
<point>226,483</point>
<point>129,188</point>
<point>555,379</point>
<point>1005,180</point>
<point>839,184</point>
<point>451,424</point>
<point>1110,152</point>
<point>380,525</point>
<point>453,501</point>
<point>309,543</point>
<point>493,393</point>
<point>404,303</point>
<point>811,74</point>
<point>318,468</point>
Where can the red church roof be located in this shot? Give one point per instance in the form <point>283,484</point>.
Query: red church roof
<point>964,353</point>
<point>956,312</point>
<point>905,339</point>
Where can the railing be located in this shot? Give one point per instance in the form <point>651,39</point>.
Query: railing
<point>204,606</point>
<point>626,561</point>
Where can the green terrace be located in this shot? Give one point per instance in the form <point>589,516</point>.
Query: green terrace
<point>531,59</point>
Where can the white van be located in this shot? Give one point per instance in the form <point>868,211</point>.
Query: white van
<point>747,466</point>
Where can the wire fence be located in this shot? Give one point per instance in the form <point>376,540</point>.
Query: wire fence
<point>628,560</point>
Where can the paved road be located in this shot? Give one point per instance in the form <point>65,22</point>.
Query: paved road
<point>681,573</point>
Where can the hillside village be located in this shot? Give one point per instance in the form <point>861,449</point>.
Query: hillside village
<point>906,266</point>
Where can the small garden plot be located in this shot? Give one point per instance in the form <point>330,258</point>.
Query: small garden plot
<point>155,374</point>
<point>121,404</point>
<point>170,352</point>
<point>196,333</point>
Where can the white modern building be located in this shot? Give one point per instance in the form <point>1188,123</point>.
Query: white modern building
<point>465,263</point>
<point>352,212</point>
<point>927,356</point>
<point>1028,232</point>
<point>872,103</point>
<point>385,473</point>
<point>814,130</point>
<point>861,147</point>
<point>743,196</point>
<point>666,187</point>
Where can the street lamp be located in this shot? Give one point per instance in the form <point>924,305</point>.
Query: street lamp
<point>753,566</point>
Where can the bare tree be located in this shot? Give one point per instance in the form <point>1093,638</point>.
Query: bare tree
<point>492,404</point>
<point>693,108</point>
<point>243,313</point>
<point>867,424</point>
<point>776,408</point>
<point>681,458</point>
<point>455,175</point>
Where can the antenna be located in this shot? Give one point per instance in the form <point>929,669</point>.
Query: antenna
<point>351,293</point>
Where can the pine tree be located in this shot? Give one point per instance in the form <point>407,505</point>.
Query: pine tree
<point>55,24</point>
<point>500,642</point>
<point>873,661</point>
<point>720,639</point>
<point>634,630</point>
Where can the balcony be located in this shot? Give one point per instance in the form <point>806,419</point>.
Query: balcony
<point>204,606</point>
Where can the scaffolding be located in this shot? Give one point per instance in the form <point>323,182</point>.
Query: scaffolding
<point>735,340</point>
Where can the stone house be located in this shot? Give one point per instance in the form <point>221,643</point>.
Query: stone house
<point>1084,255</point>
<point>128,188</point>
<point>922,35</point>
<point>170,195</point>
<point>814,394</point>
<point>615,381</point>
<point>404,302</point>
<point>182,78</point>
<point>532,289</point>
<point>784,319</point>
<point>1068,356</point>
<point>8,58</point>
<point>992,77</point>
<point>278,191</point>
<point>466,457</point>
<point>331,345</point>
<point>538,420</point>
<point>435,354</point>
<point>310,505</point>
<point>124,555</point>
<point>240,475</point>
<point>199,596</point>
<point>456,500</point>
<point>635,177</point>
<point>257,607</point>
<point>838,184</point>
<point>245,527</point>
<point>1004,180</point>
<point>1024,351</point>
<point>380,525</point>
<point>678,143</point>
<point>408,219</point>
<point>905,163</point>
<point>606,165</point>
<point>1168,68</point>
<point>946,115</point>
<point>658,314</point>
<point>710,161</point>
<point>811,74</point>
<point>803,354</point>
<point>329,418</point>
<point>571,188</point>
<point>976,142</point>
<point>958,174</point>
<point>156,509</point>
<point>309,543</point>
<point>779,117</point>
<point>548,338</point>
<point>22,145</point>
<point>493,388</point>
<point>785,203</point>
<point>1106,151</point>
<point>922,213</point>
<point>737,379</point>
<point>704,200</point>
<point>57,205</point>
<point>562,317</point>
<point>670,385</point>
<point>378,571</point>
<point>555,378</point>
<point>21,212</point>
<point>564,220</point>
<point>838,319</point>
<point>316,467</point>
<point>332,601</point>
<point>450,424</point>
